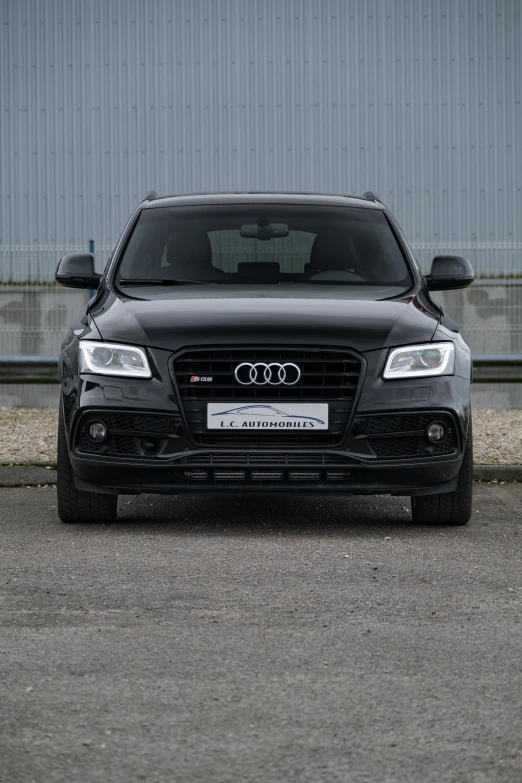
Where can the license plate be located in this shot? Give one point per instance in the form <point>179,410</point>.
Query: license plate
<point>267,417</point>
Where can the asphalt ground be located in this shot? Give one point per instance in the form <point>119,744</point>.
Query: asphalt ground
<point>261,639</point>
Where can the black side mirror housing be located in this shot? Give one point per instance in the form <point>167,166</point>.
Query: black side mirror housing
<point>448,273</point>
<point>76,270</point>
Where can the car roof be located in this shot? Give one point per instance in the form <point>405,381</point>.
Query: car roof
<point>250,197</point>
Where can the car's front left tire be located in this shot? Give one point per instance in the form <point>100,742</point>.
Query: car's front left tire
<point>75,505</point>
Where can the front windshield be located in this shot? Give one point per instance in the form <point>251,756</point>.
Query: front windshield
<point>265,245</point>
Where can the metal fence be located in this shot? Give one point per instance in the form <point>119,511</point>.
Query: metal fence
<point>32,264</point>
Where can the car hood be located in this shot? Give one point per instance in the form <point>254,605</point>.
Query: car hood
<point>184,317</point>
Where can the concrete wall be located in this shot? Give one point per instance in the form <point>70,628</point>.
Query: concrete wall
<point>490,316</point>
<point>33,322</point>
<point>33,319</point>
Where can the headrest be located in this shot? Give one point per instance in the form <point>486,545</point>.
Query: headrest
<point>333,250</point>
<point>259,271</point>
<point>190,250</point>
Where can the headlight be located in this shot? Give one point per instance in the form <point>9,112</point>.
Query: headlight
<point>420,361</point>
<point>112,359</point>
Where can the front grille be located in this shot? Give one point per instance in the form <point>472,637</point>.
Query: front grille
<point>326,376</point>
<point>403,435</point>
<point>128,432</point>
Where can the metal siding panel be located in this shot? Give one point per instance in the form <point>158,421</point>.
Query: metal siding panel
<point>107,100</point>
<point>103,101</point>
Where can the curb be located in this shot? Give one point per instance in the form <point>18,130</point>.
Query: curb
<point>36,464</point>
<point>26,475</point>
<point>497,472</point>
<point>32,475</point>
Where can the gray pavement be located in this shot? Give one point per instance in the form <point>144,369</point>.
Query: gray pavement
<point>242,639</point>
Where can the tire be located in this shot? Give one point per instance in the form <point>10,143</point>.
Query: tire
<point>449,508</point>
<point>75,505</point>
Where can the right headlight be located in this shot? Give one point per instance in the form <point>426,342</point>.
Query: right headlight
<point>420,361</point>
<point>127,361</point>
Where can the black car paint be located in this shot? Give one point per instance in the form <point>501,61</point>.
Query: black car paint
<point>214,316</point>
<point>191,315</point>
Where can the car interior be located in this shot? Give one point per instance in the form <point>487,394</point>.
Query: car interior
<point>222,252</point>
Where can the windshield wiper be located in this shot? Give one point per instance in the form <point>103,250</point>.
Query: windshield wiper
<point>166,281</point>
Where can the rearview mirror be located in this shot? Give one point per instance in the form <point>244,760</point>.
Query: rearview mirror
<point>268,231</point>
<point>449,272</point>
<point>76,270</point>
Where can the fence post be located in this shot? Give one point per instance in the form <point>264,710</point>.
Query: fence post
<point>91,250</point>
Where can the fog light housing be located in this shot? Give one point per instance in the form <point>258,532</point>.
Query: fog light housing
<point>98,431</point>
<point>149,446</point>
<point>436,432</point>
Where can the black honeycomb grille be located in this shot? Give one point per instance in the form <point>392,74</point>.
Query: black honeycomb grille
<point>414,446</point>
<point>114,445</point>
<point>127,432</point>
<point>404,436</point>
<point>401,422</point>
<point>137,422</point>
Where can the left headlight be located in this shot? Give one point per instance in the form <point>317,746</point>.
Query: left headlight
<point>112,359</point>
<point>419,361</point>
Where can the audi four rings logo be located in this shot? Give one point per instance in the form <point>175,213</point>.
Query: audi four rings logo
<point>273,374</point>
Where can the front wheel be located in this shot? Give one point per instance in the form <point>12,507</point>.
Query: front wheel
<point>449,508</point>
<point>75,505</point>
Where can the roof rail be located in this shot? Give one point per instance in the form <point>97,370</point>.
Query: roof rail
<point>371,196</point>
<point>151,195</point>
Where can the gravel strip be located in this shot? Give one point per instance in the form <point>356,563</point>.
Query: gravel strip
<point>28,435</point>
<point>497,437</point>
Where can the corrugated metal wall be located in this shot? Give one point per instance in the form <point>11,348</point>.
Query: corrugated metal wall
<point>103,100</point>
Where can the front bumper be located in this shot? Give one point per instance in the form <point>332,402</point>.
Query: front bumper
<point>408,478</point>
<point>182,466</point>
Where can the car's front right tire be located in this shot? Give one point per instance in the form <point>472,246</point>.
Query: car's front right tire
<point>75,505</point>
<point>449,508</point>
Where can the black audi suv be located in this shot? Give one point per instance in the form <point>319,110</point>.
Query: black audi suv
<point>264,343</point>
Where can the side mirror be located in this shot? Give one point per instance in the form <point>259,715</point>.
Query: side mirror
<point>449,272</point>
<point>77,271</point>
